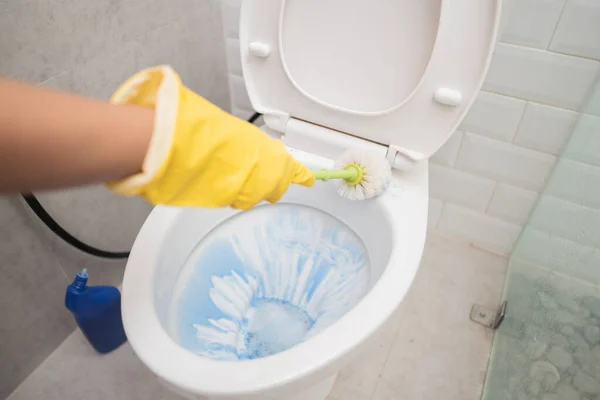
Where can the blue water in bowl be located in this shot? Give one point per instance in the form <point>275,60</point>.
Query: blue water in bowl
<point>266,280</point>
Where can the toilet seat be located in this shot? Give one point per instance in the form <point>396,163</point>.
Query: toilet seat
<point>288,86</point>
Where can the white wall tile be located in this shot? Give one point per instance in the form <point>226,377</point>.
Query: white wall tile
<point>504,162</point>
<point>460,187</point>
<point>593,103</point>
<point>239,95</point>
<point>447,154</point>
<point>532,22</point>
<point>576,182</point>
<point>578,31</point>
<point>231,17</point>
<point>482,230</point>
<point>541,76</point>
<point>234,60</point>
<point>508,6</point>
<point>545,128</point>
<point>494,116</point>
<point>512,204</point>
<point>584,145</point>
<point>435,210</point>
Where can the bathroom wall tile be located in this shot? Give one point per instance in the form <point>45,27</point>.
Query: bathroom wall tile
<point>571,221</point>
<point>77,210</point>
<point>489,233</point>
<point>546,128</point>
<point>593,104</point>
<point>512,204</point>
<point>435,211</point>
<point>195,50</point>
<point>426,362</point>
<point>558,254</point>
<point>494,116</point>
<point>532,22</point>
<point>239,95</point>
<point>575,182</point>
<point>547,345</point>
<point>578,30</point>
<point>446,155</point>
<point>508,6</point>
<point>541,76</point>
<point>40,39</point>
<point>504,162</point>
<point>231,17</point>
<point>32,288</point>
<point>100,76</point>
<point>584,145</point>
<point>243,114</point>
<point>114,228</point>
<point>74,371</point>
<point>460,187</point>
<point>234,61</point>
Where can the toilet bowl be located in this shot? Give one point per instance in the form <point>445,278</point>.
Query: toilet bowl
<point>271,303</point>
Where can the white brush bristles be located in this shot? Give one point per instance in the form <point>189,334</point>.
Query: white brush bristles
<point>376,179</point>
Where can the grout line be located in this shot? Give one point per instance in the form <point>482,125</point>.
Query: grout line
<point>562,53</point>
<point>514,136</point>
<point>528,100</point>
<point>489,204</point>
<point>40,365</point>
<point>54,77</point>
<point>541,50</point>
<point>460,147</point>
<point>557,22</point>
<point>437,223</point>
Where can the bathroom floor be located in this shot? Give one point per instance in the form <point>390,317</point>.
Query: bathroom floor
<point>429,351</point>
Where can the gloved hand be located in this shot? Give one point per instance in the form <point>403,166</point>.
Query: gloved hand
<point>200,155</point>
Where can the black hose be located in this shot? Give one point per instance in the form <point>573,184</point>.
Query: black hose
<point>55,227</point>
<point>254,117</point>
<point>59,231</point>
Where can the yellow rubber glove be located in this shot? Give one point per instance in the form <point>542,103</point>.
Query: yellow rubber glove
<point>200,155</point>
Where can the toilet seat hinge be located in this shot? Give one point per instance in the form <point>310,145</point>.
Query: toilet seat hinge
<point>330,143</point>
<point>402,159</point>
<point>323,141</point>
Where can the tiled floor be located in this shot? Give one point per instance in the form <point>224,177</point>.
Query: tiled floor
<point>429,351</point>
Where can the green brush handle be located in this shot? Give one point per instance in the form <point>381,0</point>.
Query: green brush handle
<point>349,174</point>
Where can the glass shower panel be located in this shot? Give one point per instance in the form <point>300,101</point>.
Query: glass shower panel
<point>548,346</point>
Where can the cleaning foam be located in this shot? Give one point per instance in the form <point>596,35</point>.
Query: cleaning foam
<point>266,280</point>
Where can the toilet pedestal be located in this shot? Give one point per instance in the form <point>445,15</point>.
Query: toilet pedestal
<point>317,392</point>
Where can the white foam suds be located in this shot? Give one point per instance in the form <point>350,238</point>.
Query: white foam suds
<point>266,280</point>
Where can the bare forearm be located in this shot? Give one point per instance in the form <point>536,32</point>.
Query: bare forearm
<point>50,139</point>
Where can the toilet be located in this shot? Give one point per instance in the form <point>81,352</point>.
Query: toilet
<point>271,303</point>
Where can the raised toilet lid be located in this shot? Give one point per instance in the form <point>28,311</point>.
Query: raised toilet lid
<point>394,72</point>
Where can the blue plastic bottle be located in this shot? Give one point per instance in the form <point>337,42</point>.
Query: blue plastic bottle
<point>97,310</point>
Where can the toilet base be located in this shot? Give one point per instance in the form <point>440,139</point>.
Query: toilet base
<point>320,391</point>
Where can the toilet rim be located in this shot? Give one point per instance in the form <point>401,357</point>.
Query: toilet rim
<point>205,376</point>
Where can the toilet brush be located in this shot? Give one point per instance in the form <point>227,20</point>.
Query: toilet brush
<point>359,175</point>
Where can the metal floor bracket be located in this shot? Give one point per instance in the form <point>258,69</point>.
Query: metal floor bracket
<point>488,317</point>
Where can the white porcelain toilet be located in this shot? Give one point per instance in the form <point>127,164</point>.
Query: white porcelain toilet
<point>271,303</point>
